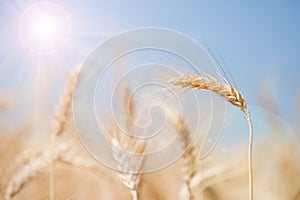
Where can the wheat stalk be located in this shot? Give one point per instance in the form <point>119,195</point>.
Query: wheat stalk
<point>232,95</point>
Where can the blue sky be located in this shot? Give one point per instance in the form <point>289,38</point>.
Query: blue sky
<point>258,41</point>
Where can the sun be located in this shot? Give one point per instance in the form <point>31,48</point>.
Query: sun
<point>44,27</point>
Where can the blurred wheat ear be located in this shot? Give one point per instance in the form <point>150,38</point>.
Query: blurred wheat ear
<point>59,122</point>
<point>48,156</point>
<point>63,110</point>
<point>232,95</point>
<point>129,166</point>
<point>189,157</point>
<point>127,150</point>
<point>30,164</point>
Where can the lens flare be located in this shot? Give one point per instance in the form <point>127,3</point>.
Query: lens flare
<point>44,27</point>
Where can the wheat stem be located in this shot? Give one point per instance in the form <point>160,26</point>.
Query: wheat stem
<point>51,173</point>
<point>134,194</point>
<point>250,164</point>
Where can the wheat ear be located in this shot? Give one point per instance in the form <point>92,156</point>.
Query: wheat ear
<point>128,166</point>
<point>232,95</point>
<point>59,123</point>
<point>62,113</point>
<point>189,157</point>
<point>29,169</point>
<point>33,162</point>
<point>189,145</point>
<point>128,150</point>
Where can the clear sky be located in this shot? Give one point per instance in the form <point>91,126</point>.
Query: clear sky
<point>258,41</point>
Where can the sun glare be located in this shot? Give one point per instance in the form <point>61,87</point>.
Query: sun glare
<point>44,27</point>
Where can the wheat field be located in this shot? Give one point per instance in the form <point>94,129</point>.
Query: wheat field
<point>59,167</point>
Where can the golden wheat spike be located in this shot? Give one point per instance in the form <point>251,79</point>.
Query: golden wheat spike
<point>213,85</point>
